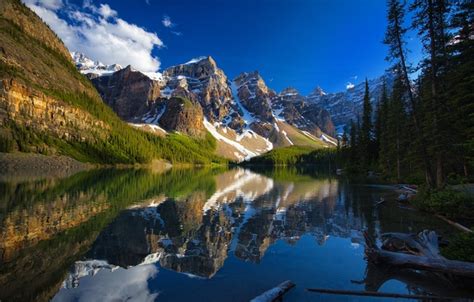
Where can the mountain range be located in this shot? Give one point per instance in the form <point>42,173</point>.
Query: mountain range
<point>244,115</point>
<point>244,105</point>
<point>47,107</point>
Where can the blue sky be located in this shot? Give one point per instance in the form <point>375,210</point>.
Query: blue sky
<point>298,43</point>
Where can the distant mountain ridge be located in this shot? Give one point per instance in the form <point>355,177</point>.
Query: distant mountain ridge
<point>347,105</point>
<point>245,116</point>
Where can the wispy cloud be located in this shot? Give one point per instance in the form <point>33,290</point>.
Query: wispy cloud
<point>98,32</point>
<point>166,21</point>
<point>349,85</point>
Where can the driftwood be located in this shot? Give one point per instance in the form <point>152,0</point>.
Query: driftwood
<point>276,293</point>
<point>419,252</point>
<point>455,224</point>
<point>376,294</point>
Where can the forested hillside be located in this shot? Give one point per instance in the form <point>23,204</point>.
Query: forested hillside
<point>48,107</point>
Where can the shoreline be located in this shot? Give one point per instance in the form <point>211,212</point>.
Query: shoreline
<point>20,166</point>
<point>28,166</point>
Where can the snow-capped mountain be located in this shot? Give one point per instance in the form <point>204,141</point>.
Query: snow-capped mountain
<point>89,66</point>
<point>245,116</point>
<point>347,105</point>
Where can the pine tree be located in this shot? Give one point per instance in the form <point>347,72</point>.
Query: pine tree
<point>460,86</point>
<point>380,122</point>
<point>353,144</point>
<point>394,38</point>
<point>366,130</point>
<point>396,126</point>
<point>430,20</point>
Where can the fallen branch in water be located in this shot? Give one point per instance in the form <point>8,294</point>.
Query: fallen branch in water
<point>455,224</point>
<point>376,294</point>
<point>419,252</point>
<point>275,293</point>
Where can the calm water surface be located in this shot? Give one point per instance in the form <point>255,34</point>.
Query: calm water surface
<point>195,235</point>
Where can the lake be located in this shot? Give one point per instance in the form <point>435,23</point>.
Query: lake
<point>197,235</point>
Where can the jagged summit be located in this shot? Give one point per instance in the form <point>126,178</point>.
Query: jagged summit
<point>289,91</point>
<point>200,59</point>
<point>318,91</point>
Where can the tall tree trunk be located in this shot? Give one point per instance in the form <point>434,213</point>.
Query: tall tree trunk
<point>398,158</point>
<point>424,153</point>
<point>434,93</point>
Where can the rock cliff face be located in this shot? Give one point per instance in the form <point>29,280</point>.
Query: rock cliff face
<point>35,110</point>
<point>184,116</point>
<point>296,110</point>
<point>130,93</point>
<point>203,78</point>
<point>254,95</point>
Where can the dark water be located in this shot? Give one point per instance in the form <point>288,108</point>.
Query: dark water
<point>196,235</point>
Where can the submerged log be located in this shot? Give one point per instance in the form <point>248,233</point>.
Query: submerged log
<point>420,252</point>
<point>275,293</point>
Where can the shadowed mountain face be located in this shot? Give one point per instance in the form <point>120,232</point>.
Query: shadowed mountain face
<point>136,234</point>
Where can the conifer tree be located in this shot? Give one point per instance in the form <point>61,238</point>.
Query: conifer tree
<point>460,85</point>
<point>394,38</point>
<point>366,130</point>
<point>380,122</point>
<point>430,20</point>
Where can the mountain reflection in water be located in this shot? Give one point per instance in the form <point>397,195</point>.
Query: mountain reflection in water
<point>119,234</point>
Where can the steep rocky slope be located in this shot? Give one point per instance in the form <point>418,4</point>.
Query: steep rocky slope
<point>47,106</point>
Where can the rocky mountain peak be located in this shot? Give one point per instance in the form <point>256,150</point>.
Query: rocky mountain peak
<point>254,94</point>
<point>289,91</point>
<point>318,92</point>
<point>199,68</point>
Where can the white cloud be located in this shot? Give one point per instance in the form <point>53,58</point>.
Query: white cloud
<point>107,12</point>
<point>98,32</point>
<point>167,22</point>
<point>113,285</point>
<point>49,4</point>
<point>349,85</point>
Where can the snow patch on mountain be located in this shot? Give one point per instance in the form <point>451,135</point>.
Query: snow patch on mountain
<point>245,153</point>
<point>246,115</point>
<point>195,60</point>
<point>87,65</point>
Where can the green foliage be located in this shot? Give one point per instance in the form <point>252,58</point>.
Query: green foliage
<point>450,203</point>
<point>282,156</point>
<point>295,156</point>
<point>123,145</point>
<point>461,247</point>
